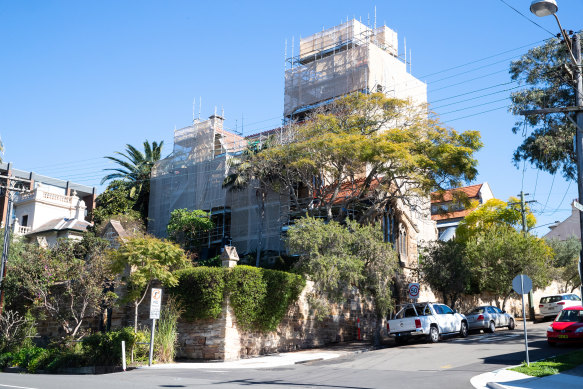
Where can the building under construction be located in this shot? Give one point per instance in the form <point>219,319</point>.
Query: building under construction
<point>333,63</point>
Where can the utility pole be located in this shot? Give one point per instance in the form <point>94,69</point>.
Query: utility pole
<point>523,203</point>
<point>545,8</point>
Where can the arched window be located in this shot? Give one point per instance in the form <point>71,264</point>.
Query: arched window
<point>402,244</point>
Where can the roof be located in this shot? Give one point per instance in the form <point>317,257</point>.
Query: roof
<point>451,215</point>
<point>118,228</point>
<point>471,191</point>
<point>62,224</point>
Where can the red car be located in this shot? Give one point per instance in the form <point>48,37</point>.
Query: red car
<point>567,327</point>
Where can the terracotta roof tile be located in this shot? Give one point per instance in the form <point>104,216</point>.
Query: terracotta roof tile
<point>471,191</point>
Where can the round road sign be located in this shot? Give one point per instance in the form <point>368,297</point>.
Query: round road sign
<point>413,291</point>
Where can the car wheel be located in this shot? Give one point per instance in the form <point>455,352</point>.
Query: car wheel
<point>464,329</point>
<point>511,324</point>
<point>492,327</point>
<point>433,335</point>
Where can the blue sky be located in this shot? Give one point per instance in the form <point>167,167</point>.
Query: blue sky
<point>79,80</point>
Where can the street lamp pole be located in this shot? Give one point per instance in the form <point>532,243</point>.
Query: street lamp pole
<point>546,8</point>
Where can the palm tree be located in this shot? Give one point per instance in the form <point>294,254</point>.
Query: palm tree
<point>136,170</point>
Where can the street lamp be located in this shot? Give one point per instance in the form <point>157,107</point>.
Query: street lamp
<point>545,8</point>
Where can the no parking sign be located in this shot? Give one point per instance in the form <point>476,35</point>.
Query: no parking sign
<point>413,291</point>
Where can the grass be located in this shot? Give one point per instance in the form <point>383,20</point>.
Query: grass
<point>552,365</point>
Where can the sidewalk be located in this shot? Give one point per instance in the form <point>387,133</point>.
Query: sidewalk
<point>507,379</point>
<point>274,360</point>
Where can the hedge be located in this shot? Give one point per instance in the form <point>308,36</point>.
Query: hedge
<point>260,297</point>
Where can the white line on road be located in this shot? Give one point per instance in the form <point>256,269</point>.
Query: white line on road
<point>17,387</point>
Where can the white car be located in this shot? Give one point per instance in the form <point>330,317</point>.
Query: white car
<point>550,306</point>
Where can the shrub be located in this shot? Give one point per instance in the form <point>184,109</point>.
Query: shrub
<point>200,291</point>
<point>247,291</point>
<point>6,360</point>
<point>283,289</point>
<point>104,349</point>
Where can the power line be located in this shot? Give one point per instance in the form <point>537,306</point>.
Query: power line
<point>527,18</point>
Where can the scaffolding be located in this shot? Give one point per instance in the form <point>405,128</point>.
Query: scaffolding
<point>345,59</point>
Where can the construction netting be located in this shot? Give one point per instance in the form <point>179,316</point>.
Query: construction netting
<point>345,59</point>
<point>192,177</point>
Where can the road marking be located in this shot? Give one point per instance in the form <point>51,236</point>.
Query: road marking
<point>18,387</point>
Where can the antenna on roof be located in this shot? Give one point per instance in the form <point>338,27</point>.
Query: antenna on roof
<point>215,110</point>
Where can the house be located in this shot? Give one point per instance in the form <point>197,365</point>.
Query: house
<point>341,60</point>
<point>447,209</point>
<point>45,209</point>
<point>567,228</point>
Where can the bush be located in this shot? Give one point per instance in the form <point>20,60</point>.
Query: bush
<point>104,349</point>
<point>247,291</point>
<point>6,359</point>
<point>200,291</point>
<point>166,333</point>
<point>283,289</point>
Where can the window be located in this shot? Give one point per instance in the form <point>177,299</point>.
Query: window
<point>445,309</point>
<point>402,243</point>
<point>496,310</point>
<point>24,222</point>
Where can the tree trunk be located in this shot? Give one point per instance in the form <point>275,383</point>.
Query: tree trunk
<point>377,332</point>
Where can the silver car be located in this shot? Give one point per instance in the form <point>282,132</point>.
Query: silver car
<point>488,318</point>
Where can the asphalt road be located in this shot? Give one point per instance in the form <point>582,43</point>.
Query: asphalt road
<point>450,363</point>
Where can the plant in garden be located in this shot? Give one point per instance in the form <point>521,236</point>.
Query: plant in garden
<point>167,333</point>
<point>200,291</point>
<point>566,261</point>
<point>69,282</point>
<point>186,228</point>
<point>143,259</point>
<point>16,330</point>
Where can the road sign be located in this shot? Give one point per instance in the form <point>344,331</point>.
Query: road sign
<point>413,291</point>
<point>522,284</point>
<point>155,303</point>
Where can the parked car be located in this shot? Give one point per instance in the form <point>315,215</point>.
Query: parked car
<point>550,306</point>
<point>567,327</point>
<point>488,318</point>
<point>426,320</point>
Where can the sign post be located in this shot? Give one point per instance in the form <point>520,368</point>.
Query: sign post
<point>155,305</point>
<point>413,291</point>
<point>523,284</point>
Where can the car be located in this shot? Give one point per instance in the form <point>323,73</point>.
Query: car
<point>567,327</point>
<point>550,306</point>
<point>488,318</point>
<point>430,321</point>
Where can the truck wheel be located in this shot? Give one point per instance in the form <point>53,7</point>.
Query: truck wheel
<point>464,330</point>
<point>433,335</point>
<point>492,327</point>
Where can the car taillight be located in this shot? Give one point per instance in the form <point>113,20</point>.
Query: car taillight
<point>540,306</point>
<point>561,303</point>
<point>481,317</point>
<point>417,323</point>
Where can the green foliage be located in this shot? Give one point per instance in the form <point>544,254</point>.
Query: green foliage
<point>566,261</point>
<point>210,262</point>
<point>546,84</point>
<point>135,169</point>
<point>200,291</point>
<point>166,338</point>
<point>30,358</point>
<point>104,349</point>
<point>149,259</point>
<point>403,152</point>
<point>499,253</point>
<point>260,297</point>
<point>445,268</point>
<point>494,212</point>
<point>115,201</point>
<point>338,257</point>
<point>16,330</point>
<point>68,282</point>
<point>186,227</point>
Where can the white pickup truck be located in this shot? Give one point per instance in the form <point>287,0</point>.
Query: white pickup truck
<point>429,320</point>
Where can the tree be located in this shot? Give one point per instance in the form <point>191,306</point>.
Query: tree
<point>146,259</point>
<point>114,201</point>
<point>136,170</point>
<point>494,212</point>
<point>566,261</point>
<point>445,268</point>
<point>547,83</point>
<point>69,282</point>
<point>339,257</point>
<point>185,228</point>
<point>365,148</point>
<point>498,253</point>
